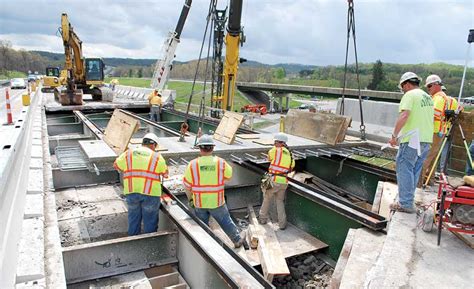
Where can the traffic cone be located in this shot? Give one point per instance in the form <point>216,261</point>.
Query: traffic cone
<point>9,109</point>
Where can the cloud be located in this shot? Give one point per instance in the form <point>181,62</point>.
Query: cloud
<point>277,31</point>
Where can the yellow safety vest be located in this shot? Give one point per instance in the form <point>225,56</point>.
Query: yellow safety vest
<point>281,163</point>
<point>142,171</point>
<point>205,177</point>
<point>154,98</point>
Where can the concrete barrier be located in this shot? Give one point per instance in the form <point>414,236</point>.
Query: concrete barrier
<point>123,92</point>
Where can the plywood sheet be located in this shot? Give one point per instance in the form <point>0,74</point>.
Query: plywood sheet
<point>228,127</point>
<point>249,135</point>
<point>119,131</point>
<point>323,127</point>
<point>265,142</point>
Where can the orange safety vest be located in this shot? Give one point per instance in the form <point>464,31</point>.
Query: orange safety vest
<point>205,178</point>
<point>142,171</point>
<point>281,163</point>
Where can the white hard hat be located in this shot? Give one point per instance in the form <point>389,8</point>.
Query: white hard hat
<point>151,138</point>
<point>206,140</point>
<point>432,79</point>
<point>407,76</point>
<point>281,137</point>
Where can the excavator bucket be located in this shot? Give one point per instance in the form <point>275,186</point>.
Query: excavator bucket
<point>71,97</point>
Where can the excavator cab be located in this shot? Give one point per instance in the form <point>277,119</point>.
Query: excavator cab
<point>94,71</point>
<point>52,71</point>
<point>51,80</point>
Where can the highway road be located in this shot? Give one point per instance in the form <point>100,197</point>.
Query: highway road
<point>15,101</point>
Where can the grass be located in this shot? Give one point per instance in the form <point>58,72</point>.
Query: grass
<point>12,74</point>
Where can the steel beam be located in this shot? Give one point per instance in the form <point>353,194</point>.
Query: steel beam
<point>75,178</point>
<point>58,129</point>
<point>119,256</point>
<point>152,123</point>
<point>91,126</point>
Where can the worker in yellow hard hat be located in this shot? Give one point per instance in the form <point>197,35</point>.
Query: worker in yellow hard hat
<point>203,181</point>
<point>143,170</point>
<point>155,105</point>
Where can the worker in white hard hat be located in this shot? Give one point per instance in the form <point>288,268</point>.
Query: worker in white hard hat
<point>275,181</point>
<point>155,105</point>
<point>143,170</point>
<point>414,131</point>
<point>204,181</point>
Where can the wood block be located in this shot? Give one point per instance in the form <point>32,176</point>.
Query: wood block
<point>377,198</point>
<point>249,136</point>
<point>466,238</point>
<point>342,133</point>
<point>271,256</point>
<point>265,142</point>
<point>389,194</point>
<point>254,231</point>
<point>228,126</point>
<point>119,131</point>
<point>323,127</point>
<point>342,261</point>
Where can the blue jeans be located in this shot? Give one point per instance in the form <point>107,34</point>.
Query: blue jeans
<point>443,160</point>
<point>155,113</point>
<point>222,216</point>
<point>469,170</point>
<point>409,166</point>
<point>142,207</point>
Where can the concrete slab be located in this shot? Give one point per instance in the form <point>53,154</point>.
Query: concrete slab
<point>36,135</point>
<point>36,141</point>
<point>107,207</point>
<point>99,193</point>
<point>35,181</point>
<point>36,163</point>
<point>30,265</point>
<point>97,150</point>
<point>34,206</point>
<point>73,232</point>
<point>107,227</point>
<point>35,284</point>
<point>36,151</point>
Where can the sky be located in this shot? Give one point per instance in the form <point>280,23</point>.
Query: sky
<point>312,32</point>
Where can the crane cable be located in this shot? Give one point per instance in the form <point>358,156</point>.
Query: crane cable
<point>351,28</point>
<point>185,125</point>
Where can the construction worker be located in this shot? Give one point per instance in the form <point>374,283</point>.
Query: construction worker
<point>204,185</point>
<point>312,108</point>
<point>113,83</point>
<point>155,105</point>
<point>415,123</point>
<point>143,170</point>
<point>281,163</point>
<point>441,103</point>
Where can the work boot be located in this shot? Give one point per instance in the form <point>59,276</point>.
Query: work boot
<point>241,241</point>
<point>398,208</point>
<point>262,221</point>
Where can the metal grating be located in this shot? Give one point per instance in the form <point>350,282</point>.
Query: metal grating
<point>70,158</point>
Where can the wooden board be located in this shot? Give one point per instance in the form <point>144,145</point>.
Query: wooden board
<point>466,238</point>
<point>303,177</point>
<point>389,194</point>
<point>249,135</point>
<point>377,198</point>
<point>228,127</point>
<point>271,256</point>
<point>342,261</point>
<point>119,131</point>
<point>342,133</point>
<point>322,127</point>
<point>265,142</point>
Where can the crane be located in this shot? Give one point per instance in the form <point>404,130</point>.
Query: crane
<point>80,75</point>
<point>163,66</point>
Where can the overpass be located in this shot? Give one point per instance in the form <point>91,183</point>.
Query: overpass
<point>280,89</point>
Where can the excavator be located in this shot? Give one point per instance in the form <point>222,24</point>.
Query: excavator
<point>51,79</point>
<point>80,75</point>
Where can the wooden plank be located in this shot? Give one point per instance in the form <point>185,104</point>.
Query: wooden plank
<point>323,127</point>
<point>165,280</point>
<point>377,198</point>
<point>228,126</point>
<point>254,230</point>
<point>249,136</point>
<point>342,133</point>
<point>342,261</point>
<point>119,131</point>
<point>468,239</point>
<point>159,270</point>
<point>265,142</point>
<point>389,194</point>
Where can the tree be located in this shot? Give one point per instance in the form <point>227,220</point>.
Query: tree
<point>140,72</point>
<point>130,72</point>
<point>279,73</point>
<point>377,75</point>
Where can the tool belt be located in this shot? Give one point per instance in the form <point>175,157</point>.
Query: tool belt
<point>267,181</point>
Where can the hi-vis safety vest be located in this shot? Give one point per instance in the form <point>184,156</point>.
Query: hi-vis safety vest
<point>281,163</point>
<point>142,171</point>
<point>205,177</point>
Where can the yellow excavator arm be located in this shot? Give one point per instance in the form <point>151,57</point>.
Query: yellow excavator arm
<point>72,50</point>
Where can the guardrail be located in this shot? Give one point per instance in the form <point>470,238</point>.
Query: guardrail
<point>124,92</point>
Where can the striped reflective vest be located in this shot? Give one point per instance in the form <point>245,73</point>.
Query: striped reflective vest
<point>205,177</point>
<point>142,171</point>
<point>281,163</point>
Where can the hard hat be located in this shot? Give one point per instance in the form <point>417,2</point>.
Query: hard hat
<point>407,76</point>
<point>432,79</point>
<point>206,140</point>
<point>150,138</point>
<point>281,137</point>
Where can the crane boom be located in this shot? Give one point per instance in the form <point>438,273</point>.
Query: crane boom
<point>163,65</point>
